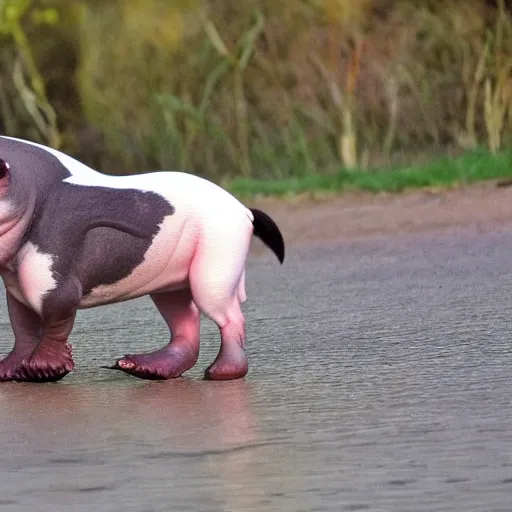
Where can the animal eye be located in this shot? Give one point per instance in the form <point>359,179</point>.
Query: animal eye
<point>4,169</point>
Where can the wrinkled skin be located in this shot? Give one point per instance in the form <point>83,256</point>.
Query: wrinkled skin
<point>73,238</point>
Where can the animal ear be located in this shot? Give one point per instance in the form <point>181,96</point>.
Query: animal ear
<point>4,169</point>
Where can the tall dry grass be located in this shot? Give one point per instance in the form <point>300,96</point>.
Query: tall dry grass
<point>277,88</point>
<point>23,101</point>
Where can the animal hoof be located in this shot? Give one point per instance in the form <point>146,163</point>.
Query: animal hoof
<point>30,372</point>
<point>168,362</point>
<point>10,364</point>
<point>142,371</point>
<point>50,362</point>
<point>231,363</point>
<point>229,373</point>
<point>8,368</point>
<point>125,365</point>
<point>7,373</point>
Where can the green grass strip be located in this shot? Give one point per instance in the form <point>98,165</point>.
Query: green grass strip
<point>470,167</point>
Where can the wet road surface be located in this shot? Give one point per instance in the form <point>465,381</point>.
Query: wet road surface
<point>380,380</point>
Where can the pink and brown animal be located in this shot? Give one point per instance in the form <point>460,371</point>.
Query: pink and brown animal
<point>73,238</point>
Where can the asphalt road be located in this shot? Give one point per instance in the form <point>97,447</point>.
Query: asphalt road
<point>380,380</point>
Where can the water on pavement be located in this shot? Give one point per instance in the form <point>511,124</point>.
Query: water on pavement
<point>380,380</point>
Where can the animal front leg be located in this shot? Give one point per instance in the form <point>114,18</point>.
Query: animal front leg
<point>52,359</point>
<point>171,361</point>
<point>27,327</point>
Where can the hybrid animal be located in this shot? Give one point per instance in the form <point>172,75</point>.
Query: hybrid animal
<point>74,238</point>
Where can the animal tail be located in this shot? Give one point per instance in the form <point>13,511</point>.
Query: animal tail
<point>268,232</point>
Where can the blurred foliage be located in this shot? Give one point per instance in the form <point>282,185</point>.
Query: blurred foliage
<point>266,88</point>
<point>23,100</point>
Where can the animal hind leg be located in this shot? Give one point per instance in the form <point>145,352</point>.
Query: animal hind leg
<point>231,361</point>
<point>217,283</point>
<point>183,319</point>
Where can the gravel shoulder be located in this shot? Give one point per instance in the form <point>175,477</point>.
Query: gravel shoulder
<point>304,220</point>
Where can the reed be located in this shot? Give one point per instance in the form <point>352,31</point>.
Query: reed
<point>270,89</point>
<point>27,97</point>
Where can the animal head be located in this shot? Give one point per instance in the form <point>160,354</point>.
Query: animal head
<point>27,174</point>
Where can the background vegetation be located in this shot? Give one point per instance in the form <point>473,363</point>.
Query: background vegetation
<point>272,89</point>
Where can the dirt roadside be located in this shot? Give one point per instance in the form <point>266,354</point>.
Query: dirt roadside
<point>483,207</point>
